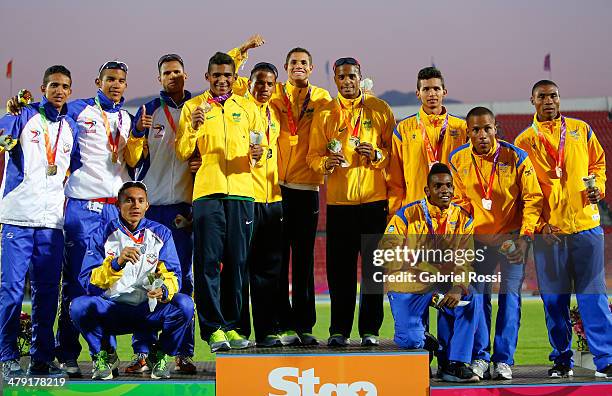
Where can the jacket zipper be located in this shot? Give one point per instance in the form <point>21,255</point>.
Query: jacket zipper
<point>225,132</point>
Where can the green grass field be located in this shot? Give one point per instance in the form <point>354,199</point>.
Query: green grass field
<point>533,348</point>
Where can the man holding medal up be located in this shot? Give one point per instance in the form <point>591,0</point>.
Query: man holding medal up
<point>571,167</point>
<point>37,145</point>
<point>349,142</point>
<point>421,140</point>
<point>498,181</point>
<point>297,101</point>
<point>170,187</point>
<point>220,124</point>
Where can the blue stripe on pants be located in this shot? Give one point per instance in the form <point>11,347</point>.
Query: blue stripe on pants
<point>39,252</point>
<point>578,259</point>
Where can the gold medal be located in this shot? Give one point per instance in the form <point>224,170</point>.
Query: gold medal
<point>51,170</point>
<point>114,157</point>
<point>354,140</point>
<point>206,107</point>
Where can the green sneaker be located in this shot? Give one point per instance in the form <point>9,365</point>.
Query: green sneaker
<point>290,337</point>
<point>161,369</point>
<point>218,342</point>
<point>236,341</point>
<point>102,368</point>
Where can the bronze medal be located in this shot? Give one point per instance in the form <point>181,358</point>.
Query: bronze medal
<point>114,157</point>
<point>51,170</point>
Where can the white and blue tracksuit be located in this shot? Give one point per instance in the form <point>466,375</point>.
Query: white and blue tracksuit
<point>116,300</point>
<point>94,177</point>
<point>577,263</point>
<point>170,189</point>
<point>31,218</point>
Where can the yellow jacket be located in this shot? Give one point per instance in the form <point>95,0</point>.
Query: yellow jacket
<point>409,164</point>
<point>565,202</point>
<point>409,227</point>
<point>516,196</point>
<point>292,158</point>
<point>223,143</point>
<point>363,180</point>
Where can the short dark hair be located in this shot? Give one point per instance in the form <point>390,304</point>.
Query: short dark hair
<point>479,111</point>
<point>221,58</point>
<point>131,184</point>
<point>55,69</point>
<point>429,72</point>
<point>265,66</point>
<point>298,49</point>
<point>437,169</point>
<point>169,58</point>
<point>542,83</point>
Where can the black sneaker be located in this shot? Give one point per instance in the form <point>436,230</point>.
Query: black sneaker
<point>458,372</point>
<point>113,360</point>
<point>308,339</point>
<point>46,369</point>
<point>71,367</point>
<point>337,340</point>
<point>270,341</point>
<point>560,371</point>
<point>605,373</point>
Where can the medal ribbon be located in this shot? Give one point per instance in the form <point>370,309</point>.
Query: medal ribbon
<point>489,189</point>
<point>51,152</point>
<point>432,154</point>
<point>559,156</point>
<point>138,240</point>
<point>290,118</point>
<point>354,130</point>
<point>168,115</point>
<point>113,142</point>
<point>441,230</point>
<point>269,116</point>
<point>219,99</point>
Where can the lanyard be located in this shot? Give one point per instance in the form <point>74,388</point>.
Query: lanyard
<point>558,156</point>
<point>489,189</point>
<point>432,155</point>
<point>269,122</point>
<point>354,129</point>
<point>51,152</point>
<point>113,142</point>
<point>219,99</point>
<point>138,240</point>
<point>441,225</point>
<point>168,115</point>
<point>290,118</point>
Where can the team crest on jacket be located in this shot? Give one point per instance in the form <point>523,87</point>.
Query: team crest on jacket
<point>454,132</point>
<point>159,130</point>
<point>151,258</point>
<point>91,125</point>
<point>367,124</point>
<point>391,229</point>
<point>35,135</point>
<point>575,134</point>
<point>236,117</point>
<point>66,148</point>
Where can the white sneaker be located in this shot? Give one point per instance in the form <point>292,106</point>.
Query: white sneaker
<point>481,369</point>
<point>502,371</point>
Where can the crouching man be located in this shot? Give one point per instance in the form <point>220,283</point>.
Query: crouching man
<point>132,274</point>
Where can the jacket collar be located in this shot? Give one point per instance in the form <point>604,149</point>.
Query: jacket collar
<point>547,126</point>
<point>433,120</point>
<point>107,104</point>
<point>488,154</point>
<point>436,211</point>
<point>350,103</point>
<point>170,102</point>
<point>290,88</point>
<point>51,112</point>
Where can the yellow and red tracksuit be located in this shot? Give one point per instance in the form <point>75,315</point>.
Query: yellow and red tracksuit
<point>410,226</point>
<point>409,164</point>
<point>223,142</point>
<point>363,180</point>
<point>516,196</point>
<point>292,158</point>
<point>566,205</point>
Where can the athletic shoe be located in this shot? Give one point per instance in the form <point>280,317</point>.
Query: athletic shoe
<point>11,368</point>
<point>369,340</point>
<point>139,364</point>
<point>290,337</point>
<point>184,364</point>
<point>458,372</point>
<point>113,360</point>
<point>502,371</point>
<point>308,339</point>
<point>605,373</point>
<point>161,369</point>
<point>481,369</point>
<point>46,369</point>
<point>560,371</point>
<point>270,341</point>
<point>236,341</point>
<point>338,340</point>
<point>71,367</point>
<point>218,342</point>
<point>102,368</point>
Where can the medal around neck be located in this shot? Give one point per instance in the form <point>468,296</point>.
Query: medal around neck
<point>7,142</point>
<point>206,107</point>
<point>51,170</point>
<point>589,181</point>
<point>114,157</point>
<point>354,142</point>
<point>487,204</point>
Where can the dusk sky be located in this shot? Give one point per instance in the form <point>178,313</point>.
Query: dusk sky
<point>487,50</point>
